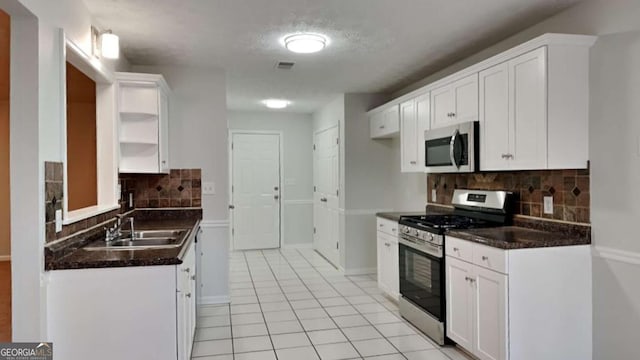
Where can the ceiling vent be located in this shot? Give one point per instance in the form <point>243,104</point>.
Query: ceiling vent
<point>284,65</point>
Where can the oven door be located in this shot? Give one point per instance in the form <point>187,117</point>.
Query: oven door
<point>422,280</point>
<point>451,149</point>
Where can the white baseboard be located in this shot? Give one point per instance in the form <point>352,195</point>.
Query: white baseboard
<point>213,300</point>
<point>360,271</point>
<point>298,246</point>
<point>629,257</point>
<point>5,257</point>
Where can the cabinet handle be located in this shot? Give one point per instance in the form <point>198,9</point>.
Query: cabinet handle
<point>507,156</point>
<point>323,199</point>
<point>484,258</point>
<point>466,278</point>
<point>387,244</point>
<point>412,162</point>
<point>453,114</point>
<point>188,295</point>
<point>193,277</point>
<point>186,270</point>
<point>456,249</point>
<point>381,225</point>
<point>394,230</point>
<point>381,126</point>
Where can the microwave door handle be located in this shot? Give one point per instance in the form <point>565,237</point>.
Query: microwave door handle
<point>452,146</point>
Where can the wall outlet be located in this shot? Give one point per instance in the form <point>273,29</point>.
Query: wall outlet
<point>208,188</point>
<point>548,205</point>
<point>434,195</point>
<point>58,221</point>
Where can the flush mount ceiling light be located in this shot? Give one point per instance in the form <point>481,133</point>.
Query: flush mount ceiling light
<point>276,103</point>
<point>305,43</point>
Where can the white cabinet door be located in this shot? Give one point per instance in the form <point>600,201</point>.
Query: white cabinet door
<point>382,261</point>
<point>528,101</point>
<point>442,104</point>
<point>494,118</point>
<point>460,305</point>
<point>385,124</point>
<point>465,93</point>
<point>423,114</point>
<point>490,315</point>
<point>408,137</point>
<point>394,268</point>
<point>164,132</point>
<point>388,268</point>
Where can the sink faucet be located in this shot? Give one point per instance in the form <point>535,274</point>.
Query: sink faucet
<point>114,232</point>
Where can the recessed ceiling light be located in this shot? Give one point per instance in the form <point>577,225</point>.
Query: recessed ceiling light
<point>275,103</point>
<point>305,43</point>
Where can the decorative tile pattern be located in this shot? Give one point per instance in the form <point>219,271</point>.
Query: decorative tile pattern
<point>179,188</point>
<point>569,188</point>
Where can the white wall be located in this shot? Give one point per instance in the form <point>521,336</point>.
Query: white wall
<point>36,120</point>
<point>198,139</point>
<point>614,111</point>
<point>297,168</point>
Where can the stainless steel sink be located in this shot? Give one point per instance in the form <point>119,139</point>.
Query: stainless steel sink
<point>146,234</point>
<point>144,239</point>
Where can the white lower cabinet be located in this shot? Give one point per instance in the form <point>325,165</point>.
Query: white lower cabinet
<point>126,313</point>
<point>519,304</point>
<point>387,256</point>
<point>186,303</point>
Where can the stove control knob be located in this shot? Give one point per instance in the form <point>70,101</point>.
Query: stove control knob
<point>405,230</point>
<point>416,233</point>
<point>431,237</point>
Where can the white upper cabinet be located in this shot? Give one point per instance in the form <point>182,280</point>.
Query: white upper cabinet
<point>143,112</point>
<point>414,121</point>
<point>455,103</point>
<point>533,111</point>
<point>532,102</point>
<point>386,123</point>
<point>513,114</point>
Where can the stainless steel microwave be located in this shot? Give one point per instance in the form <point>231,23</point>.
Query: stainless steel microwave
<point>452,149</point>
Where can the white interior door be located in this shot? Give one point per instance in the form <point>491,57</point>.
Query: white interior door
<point>326,203</point>
<point>255,191</point>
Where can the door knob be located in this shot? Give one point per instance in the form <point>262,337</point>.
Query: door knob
<point>231,207</point>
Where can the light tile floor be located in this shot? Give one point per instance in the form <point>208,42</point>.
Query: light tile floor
<point>292,304</point>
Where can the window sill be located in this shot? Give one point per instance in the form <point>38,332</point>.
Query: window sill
<point>91,211</point>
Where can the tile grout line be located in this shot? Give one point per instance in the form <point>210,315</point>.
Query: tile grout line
<point>289,302</point>
<point>359,313</point>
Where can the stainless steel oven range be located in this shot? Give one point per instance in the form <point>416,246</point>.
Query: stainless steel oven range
<point>422,261</point>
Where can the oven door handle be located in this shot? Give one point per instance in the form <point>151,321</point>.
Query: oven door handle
<point>452,146</point>
<point>433,252</point>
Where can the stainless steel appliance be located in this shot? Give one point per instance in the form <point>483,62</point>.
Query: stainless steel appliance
<point>422,261</point>
<point>452,149</point>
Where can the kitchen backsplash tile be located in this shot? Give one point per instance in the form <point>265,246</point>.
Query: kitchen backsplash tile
<point>179,188</point>
<point>570,190</point>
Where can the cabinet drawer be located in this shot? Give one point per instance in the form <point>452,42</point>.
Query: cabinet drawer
<point>388,226</point>
<point>460,249</point>
<point>490,258</point>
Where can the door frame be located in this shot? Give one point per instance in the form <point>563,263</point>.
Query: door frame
<point>280,134</point>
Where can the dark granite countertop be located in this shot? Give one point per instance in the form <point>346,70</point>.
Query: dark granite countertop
<point>518,237</point>
<point>395,215</point>
<point>74,256</point>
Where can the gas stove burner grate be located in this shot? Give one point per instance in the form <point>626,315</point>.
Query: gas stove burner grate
<point>443,222</point>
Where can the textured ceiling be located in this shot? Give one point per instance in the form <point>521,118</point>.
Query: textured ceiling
<point>376,45</point>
